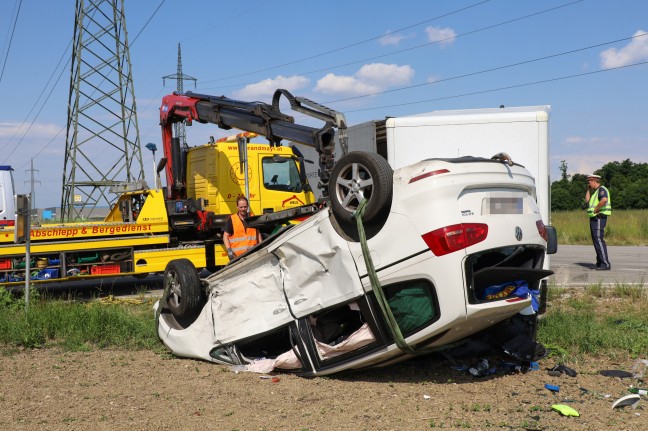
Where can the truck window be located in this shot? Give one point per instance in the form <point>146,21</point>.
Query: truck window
<point>281,173</point>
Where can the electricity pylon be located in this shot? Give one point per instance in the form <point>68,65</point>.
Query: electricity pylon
<point>102,141</point>
<point>179,127</point>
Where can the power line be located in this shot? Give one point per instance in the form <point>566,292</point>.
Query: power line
<point>491,69</point>
<point>508,87</point>
<point>13,29</point>
<point>35,103</point>
<point>351,45</point>
<point>147,22</point>
<point>50,93</point>
<point>364,60</point>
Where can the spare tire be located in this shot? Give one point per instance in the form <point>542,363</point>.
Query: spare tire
<point>356,176</point>
<point>183,289</point>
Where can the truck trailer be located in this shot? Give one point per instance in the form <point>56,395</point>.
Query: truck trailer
<point>521,132</point>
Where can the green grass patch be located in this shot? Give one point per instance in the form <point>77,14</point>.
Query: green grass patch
<point>592,321</point>
<point>75,325</point>
<point>624,227</point>
<point>597,321</point>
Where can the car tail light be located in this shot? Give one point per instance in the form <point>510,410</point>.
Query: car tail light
<point>456,237</point>
<point>541,229</point>
<point>429,174</point>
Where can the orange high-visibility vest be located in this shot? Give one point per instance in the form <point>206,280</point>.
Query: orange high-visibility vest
<point>243,238</point>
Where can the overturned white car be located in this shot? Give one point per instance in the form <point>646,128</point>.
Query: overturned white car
<point>446,249</point>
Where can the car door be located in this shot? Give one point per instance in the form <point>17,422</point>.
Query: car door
<point>317,267</point>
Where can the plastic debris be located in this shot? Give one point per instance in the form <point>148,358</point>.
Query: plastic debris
<point>561,369</point>
<point>629,400</point>
<point>615,373</point>
<point>552,388</point>
<point>639,368</point>
<point>238,368</point>
<point>275,379</point>
<point>426,397</point>
<point>565,410</point>
<point>482,369</point>
<point>639,391</point>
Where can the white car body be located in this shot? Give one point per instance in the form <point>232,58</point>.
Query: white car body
<point>303,300</point>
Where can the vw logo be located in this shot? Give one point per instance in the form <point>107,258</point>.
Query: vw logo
<point>518,233</point>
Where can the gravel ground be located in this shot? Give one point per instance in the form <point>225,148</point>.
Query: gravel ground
<point>144,390</point>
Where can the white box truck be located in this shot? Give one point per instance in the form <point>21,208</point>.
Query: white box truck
<point>522,132</point>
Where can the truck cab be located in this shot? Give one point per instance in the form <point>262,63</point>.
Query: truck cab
<point>275,177</point>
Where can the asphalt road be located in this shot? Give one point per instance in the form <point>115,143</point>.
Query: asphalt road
<point>573,265</point>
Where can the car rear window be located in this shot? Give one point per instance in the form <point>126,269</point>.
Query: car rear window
<point>413,304</point>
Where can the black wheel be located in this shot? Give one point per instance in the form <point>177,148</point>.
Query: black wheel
<point>356,176</point>
<point>183,288</point>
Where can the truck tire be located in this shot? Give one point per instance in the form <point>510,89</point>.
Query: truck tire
<point>183,289</point>
<point>360,175</point>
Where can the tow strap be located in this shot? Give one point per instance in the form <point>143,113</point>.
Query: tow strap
<point>392,324</point>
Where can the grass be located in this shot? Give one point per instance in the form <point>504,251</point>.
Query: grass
<point>608,322</point>
<point>624,227</point>
<point>75,325</point>
<point>596,321</point>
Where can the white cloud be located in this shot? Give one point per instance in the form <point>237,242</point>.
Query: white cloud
<point>444,36</point>
<point>371,78</point>
<point>37,130</point>
<point>636,50</point>
<point>385,75</point>
<point>334,84</point>
<point>574,140</point>
<point>391,39</point>
<point>266,88</point>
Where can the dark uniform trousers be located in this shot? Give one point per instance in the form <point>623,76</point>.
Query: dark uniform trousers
<point>597,229</point>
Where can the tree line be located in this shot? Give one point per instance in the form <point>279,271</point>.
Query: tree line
<point>626,181</point>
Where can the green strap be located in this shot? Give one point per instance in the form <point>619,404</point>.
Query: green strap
<point>377,288</point>
<point>392,324</point>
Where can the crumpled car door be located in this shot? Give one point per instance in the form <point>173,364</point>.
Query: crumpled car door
<point>318,269</point>
<point>250,301</point>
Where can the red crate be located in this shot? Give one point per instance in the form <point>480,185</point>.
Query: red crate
<point>105,269</point>
<point>5,263</point>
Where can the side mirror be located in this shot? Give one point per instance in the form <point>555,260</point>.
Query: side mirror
<point>552,240</point>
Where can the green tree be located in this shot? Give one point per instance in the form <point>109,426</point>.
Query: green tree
<point>625,180</point>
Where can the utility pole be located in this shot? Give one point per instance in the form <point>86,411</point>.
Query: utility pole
<point>180,77</point>
<point>102,141</point>
<point>32,181</point>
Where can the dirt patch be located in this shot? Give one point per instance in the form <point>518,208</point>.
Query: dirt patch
<point>144,390</point>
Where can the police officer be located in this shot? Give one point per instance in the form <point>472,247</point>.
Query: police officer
<point>599,207</point>
<point>238,237</point>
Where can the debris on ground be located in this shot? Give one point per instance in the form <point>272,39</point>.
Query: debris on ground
<point>565,410</point>
<point>631,400</point>
<point>552,388</point>
<point>560,369</point>
<point>616,373</point>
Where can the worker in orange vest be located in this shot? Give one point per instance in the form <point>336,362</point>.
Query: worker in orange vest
<point>238,237</point>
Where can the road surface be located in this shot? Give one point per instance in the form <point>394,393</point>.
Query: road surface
<point>573,266</point>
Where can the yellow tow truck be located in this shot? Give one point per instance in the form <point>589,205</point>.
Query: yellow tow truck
<point>147,228</point>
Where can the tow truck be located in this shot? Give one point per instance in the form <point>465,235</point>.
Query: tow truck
<point>147,228</point>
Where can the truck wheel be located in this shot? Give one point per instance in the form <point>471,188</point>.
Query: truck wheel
<point>184,296</point>
<point>360,175</point>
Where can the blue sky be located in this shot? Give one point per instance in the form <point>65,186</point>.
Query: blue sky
<point>368,59</point>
